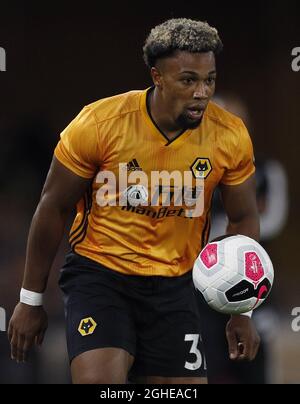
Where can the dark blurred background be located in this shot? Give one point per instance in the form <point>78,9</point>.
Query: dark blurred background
<point>62,58</point>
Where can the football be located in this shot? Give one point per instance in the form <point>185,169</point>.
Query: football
<point>234,273</point>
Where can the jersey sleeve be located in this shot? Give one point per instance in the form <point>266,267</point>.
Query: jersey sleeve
<point>78,148</point>
<point>242,161</point>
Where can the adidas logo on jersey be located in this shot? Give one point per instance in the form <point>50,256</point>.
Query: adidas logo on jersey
<point>133,165</point>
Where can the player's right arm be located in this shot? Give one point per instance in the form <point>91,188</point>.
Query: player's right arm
<point>61,192</point>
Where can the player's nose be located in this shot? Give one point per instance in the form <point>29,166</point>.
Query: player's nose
<point>201,92</point>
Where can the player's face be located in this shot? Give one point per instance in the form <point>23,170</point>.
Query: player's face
<point>187,83</point>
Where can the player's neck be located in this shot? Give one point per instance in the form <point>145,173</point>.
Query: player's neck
<point>161,116</point>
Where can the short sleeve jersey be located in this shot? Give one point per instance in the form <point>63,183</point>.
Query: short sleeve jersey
<point>116,135</point>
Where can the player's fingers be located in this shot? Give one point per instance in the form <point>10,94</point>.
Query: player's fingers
<point>14,345</point>
<point>232,344</point>
<point>255,349</point>
<point>10,332</point>
<point>243,351</point>
<point>28,342</point>
<point>40,338</point>
<point>252,348</point>
<point>21,341</point>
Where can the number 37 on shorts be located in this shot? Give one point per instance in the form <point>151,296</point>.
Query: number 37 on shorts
<point>197,358</point>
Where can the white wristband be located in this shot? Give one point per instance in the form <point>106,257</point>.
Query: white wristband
<point>31,298</point>
<point>247,314</point>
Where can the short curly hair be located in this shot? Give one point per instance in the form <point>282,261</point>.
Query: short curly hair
<point>180,34</point>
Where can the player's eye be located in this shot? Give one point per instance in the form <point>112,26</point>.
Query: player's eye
<point>188,81</point>
<point>210,81</point>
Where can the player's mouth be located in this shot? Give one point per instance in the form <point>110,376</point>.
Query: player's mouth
<point>195,113</point>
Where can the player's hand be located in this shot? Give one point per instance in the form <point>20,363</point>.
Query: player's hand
<point>26,328</point>
<point>242,337</point>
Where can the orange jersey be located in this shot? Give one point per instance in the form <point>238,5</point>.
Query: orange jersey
<point>148,240</point>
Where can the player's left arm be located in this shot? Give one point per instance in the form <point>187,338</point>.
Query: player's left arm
<point>241,208</point>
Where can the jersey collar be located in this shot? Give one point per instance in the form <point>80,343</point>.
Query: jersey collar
<point>154,128</point>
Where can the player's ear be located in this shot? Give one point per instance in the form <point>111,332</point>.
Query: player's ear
<point>156,77</point>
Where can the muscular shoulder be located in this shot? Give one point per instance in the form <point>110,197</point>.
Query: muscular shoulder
<point>115,106</point>
<point>222,118</point>
<point>229,130</point>
<point>233,144</point>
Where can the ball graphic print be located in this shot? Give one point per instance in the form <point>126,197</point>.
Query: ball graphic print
<point>234,273</point>
<point>136,195</point>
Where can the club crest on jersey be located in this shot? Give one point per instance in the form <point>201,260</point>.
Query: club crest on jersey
<point>87,326</point>
<point>201,168</point>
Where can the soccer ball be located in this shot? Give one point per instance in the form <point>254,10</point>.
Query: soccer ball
<point>136,195</point>
<point>234,274</point>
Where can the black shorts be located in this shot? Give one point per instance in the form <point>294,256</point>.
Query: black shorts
<point>154,318</point>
